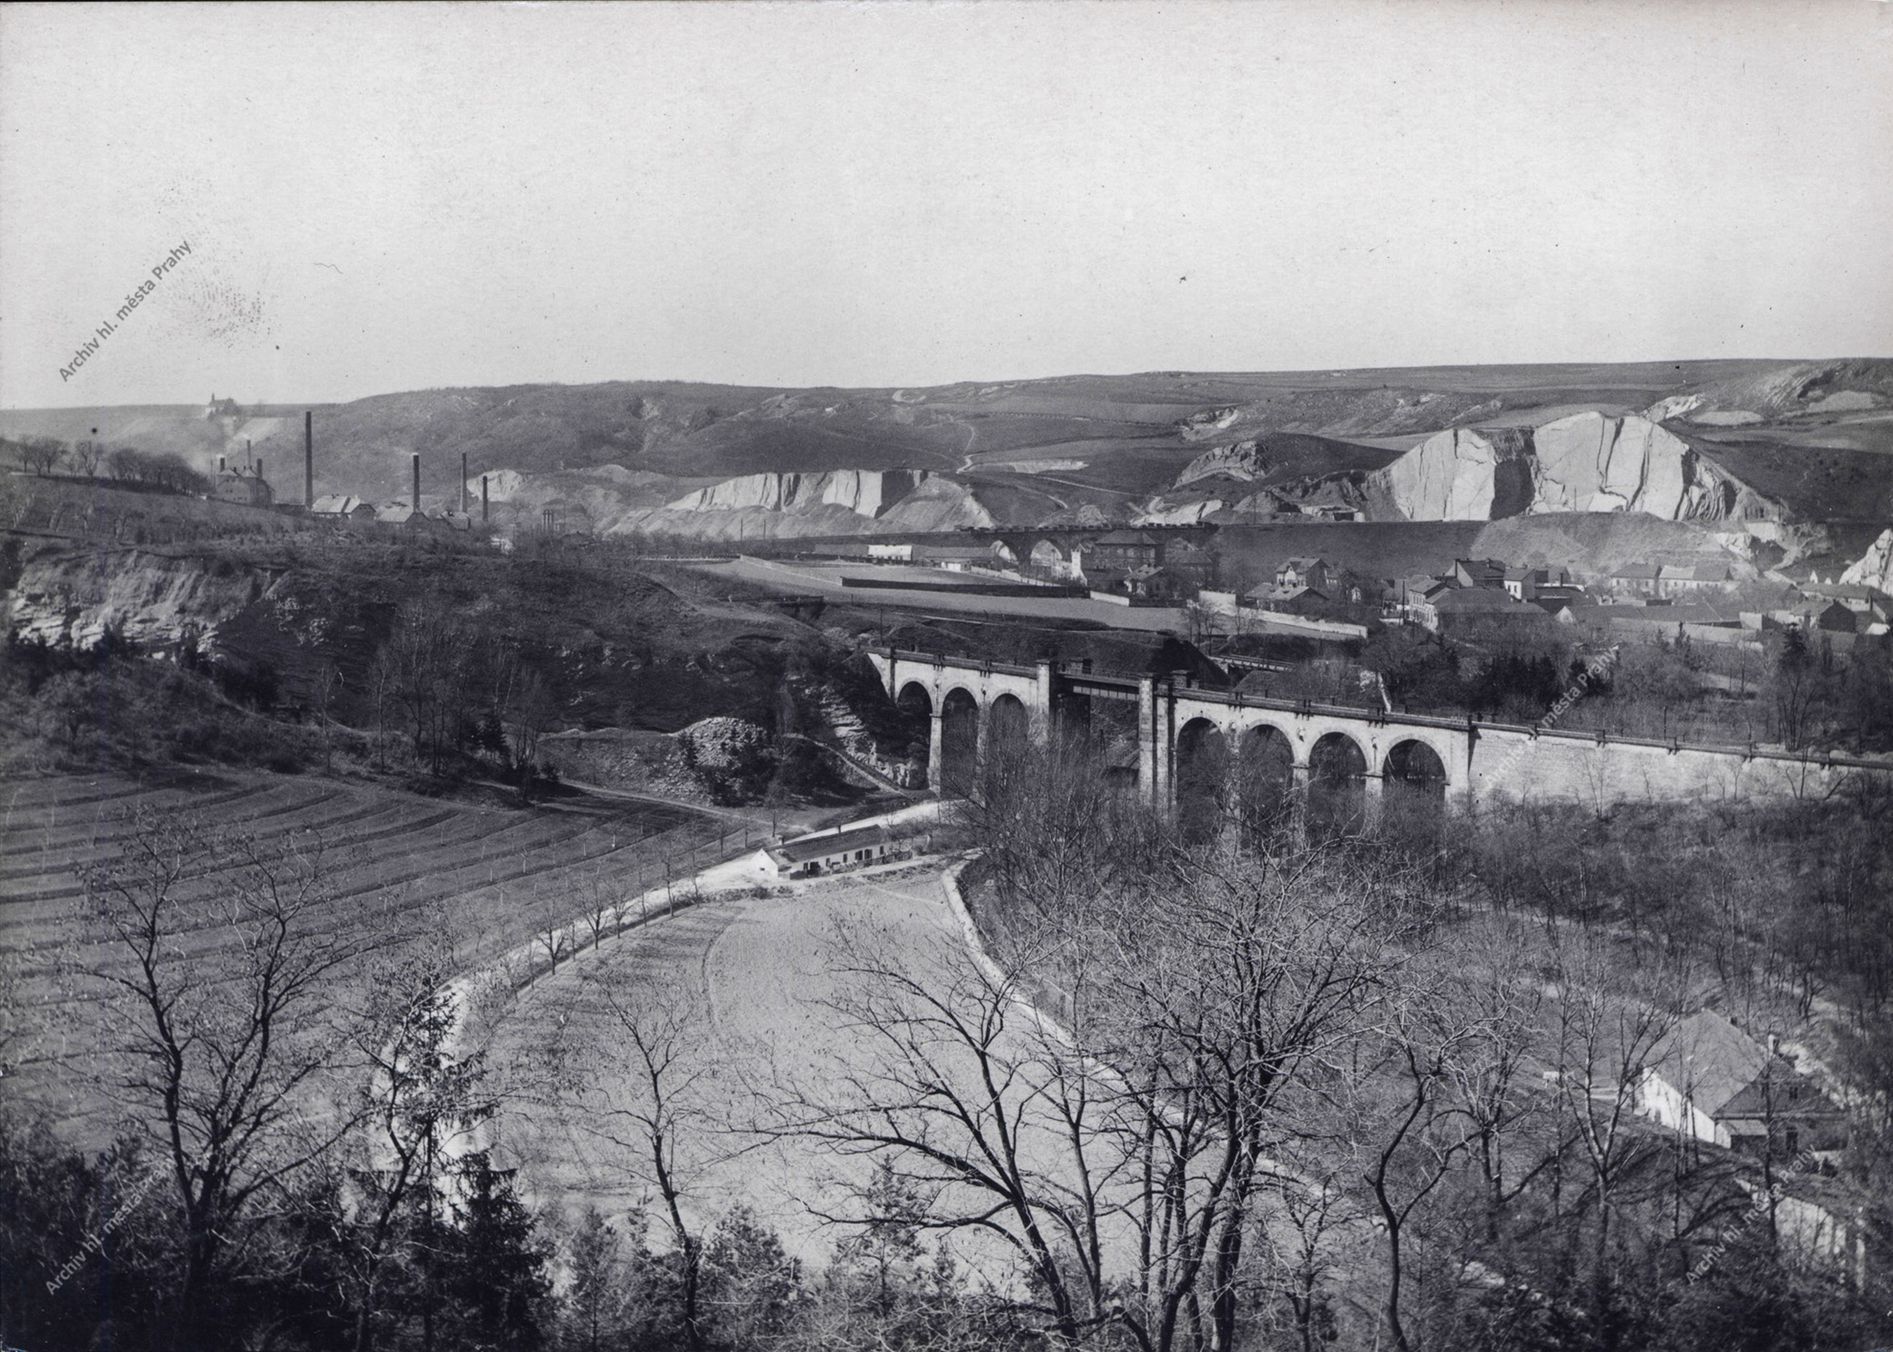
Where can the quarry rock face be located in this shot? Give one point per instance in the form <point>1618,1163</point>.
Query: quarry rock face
<point>1588,462</point>
<point>152,599</point>
<point>1460,474</point>
<point>865,492</point>
<point>1875,567</point>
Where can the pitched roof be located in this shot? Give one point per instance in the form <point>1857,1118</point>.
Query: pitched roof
<point>1637,572</point>
<point>1768,1095</point>
<point>822,847</point>
<point>1125,536</point>
<point>1467,600</point>
<point>1301,565</point>
<point>1709,1060</point>
<point>340,504</point>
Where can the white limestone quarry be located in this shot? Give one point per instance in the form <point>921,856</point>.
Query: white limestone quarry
<point>1587,462</point>
<point>1875,567</point>
<point>1453,475</point>
<point>865,492</point>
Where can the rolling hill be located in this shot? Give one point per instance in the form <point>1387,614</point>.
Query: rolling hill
<point>1815,438</point>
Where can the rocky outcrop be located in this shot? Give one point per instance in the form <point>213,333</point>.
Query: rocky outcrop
<point>152,599</point>
<point>865,492</point>
<point>1588,462</point>
<point>1237,460</point>
<point>1875,567</point>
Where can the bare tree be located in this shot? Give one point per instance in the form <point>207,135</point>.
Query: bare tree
<point>655,1090</point>
<point>218,960</point>
<point>41,455</point>
<point>1610,1027</point>
<point>1201,1000</point>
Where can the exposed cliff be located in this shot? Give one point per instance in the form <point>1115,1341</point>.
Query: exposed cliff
<point>1875,567</point>
<point>151,598</point>
<point>865,492</point>
<point>1588,462</point>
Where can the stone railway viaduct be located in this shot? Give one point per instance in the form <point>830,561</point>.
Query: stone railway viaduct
<point>1189,738</point>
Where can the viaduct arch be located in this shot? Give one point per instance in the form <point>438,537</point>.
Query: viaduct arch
<point>1345,764</point>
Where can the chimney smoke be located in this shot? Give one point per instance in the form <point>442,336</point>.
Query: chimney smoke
<point>220,465</point>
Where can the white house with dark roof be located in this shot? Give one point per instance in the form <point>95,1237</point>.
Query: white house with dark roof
<point>835,852</point>
<point>1711,1081</point>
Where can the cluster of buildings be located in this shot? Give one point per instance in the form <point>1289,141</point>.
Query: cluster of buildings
<point>1707,600</point>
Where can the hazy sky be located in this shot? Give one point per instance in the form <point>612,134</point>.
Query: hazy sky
<point>382,199</point>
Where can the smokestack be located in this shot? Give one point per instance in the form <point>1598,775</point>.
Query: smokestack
<point>417,481</point>
<point>220,464</point>
<point>463,483</point>
<point>483,499</point>
<point>308,459</point>
<point>259,466</point>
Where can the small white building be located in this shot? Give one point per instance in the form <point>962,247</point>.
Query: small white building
<point>834,852</point>
<point>1711,1081</point>
<point>891,553</point>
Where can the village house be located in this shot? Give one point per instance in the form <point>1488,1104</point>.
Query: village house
<point>891,553</point>
<point>813,856</point>
<point>1479,573</point>
<point>1190,560</point>
<point>1464,607</point>
<point>1295,574</point>
<point>1683,580</point>
<point>1118,552</point>
<point>1521,583</point>
<point>1713,1083</point>
<point>1635,579</point>
<point>1302,600</point>
<point>1159,586</point>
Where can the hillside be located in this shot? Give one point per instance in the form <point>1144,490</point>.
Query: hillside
<point>1815,439</point>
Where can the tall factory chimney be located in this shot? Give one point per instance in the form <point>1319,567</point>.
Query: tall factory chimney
<point>259,467</point>
<point>308,459</point>
<point>483,499</point>
<point>220,465</point>
<point>417,481</point>
<point>463,483</point>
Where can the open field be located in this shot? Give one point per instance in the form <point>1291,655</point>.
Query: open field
<point>756,980</point>
<point>489,874</point>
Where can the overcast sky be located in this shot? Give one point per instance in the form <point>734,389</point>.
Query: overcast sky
<point>381,199</point>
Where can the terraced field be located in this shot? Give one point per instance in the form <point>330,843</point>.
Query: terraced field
<point>494,874</point>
